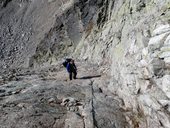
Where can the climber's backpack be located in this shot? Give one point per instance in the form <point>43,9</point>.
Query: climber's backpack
<point>66,62</point>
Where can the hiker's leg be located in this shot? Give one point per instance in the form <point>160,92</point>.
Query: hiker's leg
<point>70,75</point>
<point>74,75</point>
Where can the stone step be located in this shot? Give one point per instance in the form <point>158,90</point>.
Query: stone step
<point>162,29</point>
<point>167,60</point>
<point>165,48</point>
<point>167,41</point>
<point>164,54</point>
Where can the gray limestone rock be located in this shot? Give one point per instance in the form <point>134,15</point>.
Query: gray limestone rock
<point>123,83</point>
<point>158,67</point>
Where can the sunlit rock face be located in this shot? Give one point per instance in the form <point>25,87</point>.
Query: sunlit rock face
<point>140,62</point>
<point>129,39</point>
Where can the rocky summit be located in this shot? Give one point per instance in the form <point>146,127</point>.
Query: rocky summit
<point>122,52</point>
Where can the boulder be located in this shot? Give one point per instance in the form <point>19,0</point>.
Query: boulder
<point>157,67</point>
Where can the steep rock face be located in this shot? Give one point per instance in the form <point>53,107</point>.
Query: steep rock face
<point>69,35</point>
<point>140,66</point>
<point>24,24</point>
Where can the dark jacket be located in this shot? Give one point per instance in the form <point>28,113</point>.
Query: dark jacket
<point>71,67</point>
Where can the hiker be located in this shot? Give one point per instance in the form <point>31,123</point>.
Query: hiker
<point>72,69</point>
<point>66,62</point>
